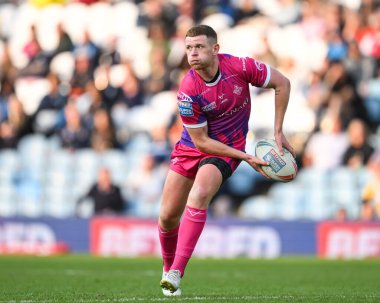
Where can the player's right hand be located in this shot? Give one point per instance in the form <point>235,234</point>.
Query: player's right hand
<point>257,164</point>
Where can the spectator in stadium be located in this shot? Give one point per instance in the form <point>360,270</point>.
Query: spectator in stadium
<point>102,134</point>
<point>329,140</point>
<point>38,60</point>
<point>73,135</point>
<point>371,191</point>
<point>343,94</point>
<point>367,211</point>
<point>49,112</point>
<point>130,94</point>
<point>159,78</point>
<point>341,214</point>
<point>89,102</point>
<point>359,150</point>
<point>370,90</point>
<point>6,91</point>
<point>151,11</point>
<point>32,46</point>
<point>215,115</point>
<point>83,72</point>
<point>105,195</point>
<point>8,72</point>
<point>65,44</point>
<point>244,10</point>
<point>15,125</point>
<point>110,54</point>
<point>90,48</point>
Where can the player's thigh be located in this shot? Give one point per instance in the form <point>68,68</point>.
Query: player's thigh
<point>174,197</point>
<point>206,184</point>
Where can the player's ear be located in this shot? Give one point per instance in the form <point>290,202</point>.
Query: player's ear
<point>216,48</point>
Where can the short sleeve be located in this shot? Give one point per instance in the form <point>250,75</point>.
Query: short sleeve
<point>256,72</point>
<point>190,111</point>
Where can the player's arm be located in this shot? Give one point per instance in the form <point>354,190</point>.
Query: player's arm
<point>281,86</point>
<point>208,145</point>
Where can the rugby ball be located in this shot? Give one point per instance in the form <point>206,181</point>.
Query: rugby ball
<point>281,168</point>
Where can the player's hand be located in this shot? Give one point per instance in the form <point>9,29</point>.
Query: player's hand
<point>283,142</point>
<point>257,164</point>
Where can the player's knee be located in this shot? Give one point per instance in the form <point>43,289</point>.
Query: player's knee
<point>200,196</point>
<point>169,221</point>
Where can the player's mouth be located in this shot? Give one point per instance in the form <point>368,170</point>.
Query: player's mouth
<point>195,62</point>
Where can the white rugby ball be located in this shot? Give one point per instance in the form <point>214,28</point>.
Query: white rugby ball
<point>281,168</point>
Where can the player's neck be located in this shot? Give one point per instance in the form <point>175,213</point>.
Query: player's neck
<point>210,73</point>
<point>216,76</point>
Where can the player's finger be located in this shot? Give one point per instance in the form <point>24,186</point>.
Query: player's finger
<point>261,162</point>
<point>291,150</point>
<point>279,146</point>
<point>281,149</point>
<point>260,170</point>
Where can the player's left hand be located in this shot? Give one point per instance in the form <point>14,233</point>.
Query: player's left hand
<point>283,142</point>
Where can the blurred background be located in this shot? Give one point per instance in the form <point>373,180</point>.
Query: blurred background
<point>88,118</point>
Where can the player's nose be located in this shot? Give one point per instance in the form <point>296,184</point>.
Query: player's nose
<point>193,52</point>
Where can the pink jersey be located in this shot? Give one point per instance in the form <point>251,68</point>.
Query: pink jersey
<point>224,105</point>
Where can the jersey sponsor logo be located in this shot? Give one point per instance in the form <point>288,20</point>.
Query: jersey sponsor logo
<point>235,109</point>
<point>183,97</point>
<point>209,107</point>
<point>259,65</point>
<point>237,90</point>
<point>243,62</point>
<point>185,104</point>
<point>185,108</point>
<point>204,92</point>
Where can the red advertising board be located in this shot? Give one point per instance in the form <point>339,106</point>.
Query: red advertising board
<point>351,240</point>
<point>123,237</point>
<point>30,238</point>
<point>126,236</point>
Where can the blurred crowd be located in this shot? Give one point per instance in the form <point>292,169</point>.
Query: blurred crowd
<point>101,75</point>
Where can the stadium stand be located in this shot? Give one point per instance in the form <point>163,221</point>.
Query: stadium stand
<point>127,58</point>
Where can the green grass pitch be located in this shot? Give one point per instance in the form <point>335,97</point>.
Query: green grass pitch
<point>77,278</point>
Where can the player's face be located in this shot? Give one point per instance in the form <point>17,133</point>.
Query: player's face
<point>200,51</point>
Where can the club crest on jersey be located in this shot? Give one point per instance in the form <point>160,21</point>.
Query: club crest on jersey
<point>209,107</point>
<point>237,90</point>
<point>185,108</point>
<point>183,97</point>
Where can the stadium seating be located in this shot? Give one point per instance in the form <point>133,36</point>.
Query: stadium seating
<point>257,207</point>
<point>40,178</point>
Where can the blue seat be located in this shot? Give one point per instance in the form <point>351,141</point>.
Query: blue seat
<point>289,200</point>
<point>59,203</point>
<point>29,193</point>
<point>8,201</point>
<point>257,207</point>
<point>318,205</point>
